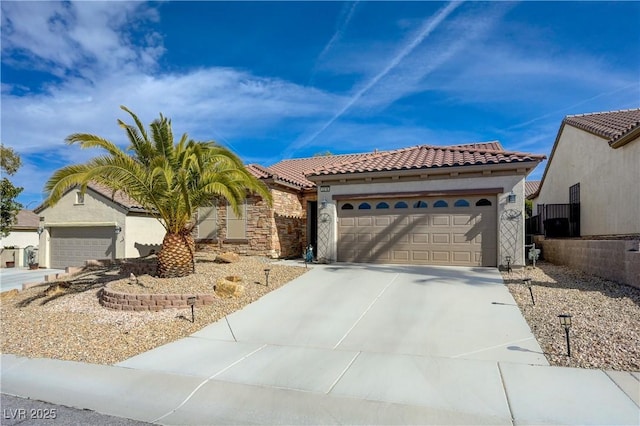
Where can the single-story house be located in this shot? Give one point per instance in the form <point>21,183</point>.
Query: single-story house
<point>24,232</point>
<point>95,225</point>
<point>23,237</point>
<point>594,169</point>
<point>444,205</point>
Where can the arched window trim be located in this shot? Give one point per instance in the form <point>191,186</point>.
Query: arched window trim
<point>382,205</point>
<point>364,206</point>
<point>347,206</point>
<point>440,203</point>
<point>420,204</point>
<point>461,203</point>
<point>401,205</point>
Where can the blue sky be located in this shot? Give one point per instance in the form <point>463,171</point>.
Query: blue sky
<point>275,80</point>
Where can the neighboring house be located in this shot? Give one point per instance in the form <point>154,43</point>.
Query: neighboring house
<point>95,225</point>
<point>23,235</point>
<point>594,168</point>
<point>454,205</point>
<point>24,232</point>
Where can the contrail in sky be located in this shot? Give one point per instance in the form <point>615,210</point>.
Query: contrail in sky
<point>340,30</point>
<point>427,28</point>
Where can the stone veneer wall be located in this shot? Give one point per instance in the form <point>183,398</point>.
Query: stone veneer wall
<point>616,260</point>
<point>289,222</point>
<point>149,302</point>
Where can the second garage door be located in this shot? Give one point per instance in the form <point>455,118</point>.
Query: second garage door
<point>428,231</point>
<point>74,245</point>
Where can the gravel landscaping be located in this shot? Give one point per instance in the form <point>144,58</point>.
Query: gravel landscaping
<point>69,323</point>
<point>605,330</point>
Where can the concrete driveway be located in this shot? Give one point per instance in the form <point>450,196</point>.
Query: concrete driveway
<point>357,344</point>
<point>14,278</point>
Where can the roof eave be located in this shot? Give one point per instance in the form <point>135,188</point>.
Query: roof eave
<point>625,139</point>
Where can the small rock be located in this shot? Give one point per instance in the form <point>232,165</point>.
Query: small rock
<point>228,257</point>
<point>228,289</point>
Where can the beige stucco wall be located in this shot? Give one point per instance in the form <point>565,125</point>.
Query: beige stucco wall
<point>19,238</point>
<point>140,235</point>
<point>510,183</point>
<point>609,182</point>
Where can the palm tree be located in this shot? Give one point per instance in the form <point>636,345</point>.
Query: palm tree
<point>170,180</point>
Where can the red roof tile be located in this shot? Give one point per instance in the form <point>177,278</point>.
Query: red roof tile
<point>611,125</point>
<point>428,156</point>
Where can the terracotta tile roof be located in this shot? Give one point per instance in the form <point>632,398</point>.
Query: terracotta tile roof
<point>495,146</point>
<point>612,125</point>
<point>294,171</point>
<point>428,156</point>
<point>531,187</point>
<point>26,219</point>
<point>258,171</point>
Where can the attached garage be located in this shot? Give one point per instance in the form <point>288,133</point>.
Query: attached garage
<point>429,230</point>
<point>72,246</point>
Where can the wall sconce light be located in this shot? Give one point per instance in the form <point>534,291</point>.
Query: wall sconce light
<point>323,204</point>
<point>511,198</point>
<point>565,321</point>
<point>40,231</point>
<point>118,230</point>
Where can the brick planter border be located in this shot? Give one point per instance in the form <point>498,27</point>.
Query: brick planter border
<point>149,302</point>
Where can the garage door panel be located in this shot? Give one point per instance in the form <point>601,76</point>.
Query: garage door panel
<point>441,256</point>
<point>444,236</point>
<point>462,256</point>
<point>439,238</point>
<point>441,220</point>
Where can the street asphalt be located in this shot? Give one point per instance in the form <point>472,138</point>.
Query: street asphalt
<point>360,344</point>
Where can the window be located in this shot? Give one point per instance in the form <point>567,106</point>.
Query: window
<point>237,225</point>
<point>420,205</point>
<point>207,223</point>
<point>401,205</point>
<point>440,203</point>
<point>382,205</point>
<point>364,206</point>
<point>483,202</point>
<point>574,194</point>
<point>79,198</point>
<point>461,203</point>
<point>347,206</point>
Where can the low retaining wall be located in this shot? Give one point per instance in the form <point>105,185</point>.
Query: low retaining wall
<point>616,260</point>
<point>149,302</point>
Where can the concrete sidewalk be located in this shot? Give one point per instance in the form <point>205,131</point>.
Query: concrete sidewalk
<point>361,344</point>
<point>15,278</point>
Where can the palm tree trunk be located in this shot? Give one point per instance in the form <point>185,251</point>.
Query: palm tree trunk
<point>176,258</point>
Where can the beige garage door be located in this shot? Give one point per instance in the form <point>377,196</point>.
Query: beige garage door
<point>73,246</point>
<point>429,231</point>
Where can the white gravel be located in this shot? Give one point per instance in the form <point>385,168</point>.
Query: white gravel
<point>605,330</point>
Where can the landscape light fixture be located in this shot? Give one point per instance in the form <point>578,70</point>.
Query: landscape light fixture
<point>565,321</point>
<point>508,259</point>
<point>266,276</point>
<point>191,301</point>
<point>527,282</point>
<point>511,198</point>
